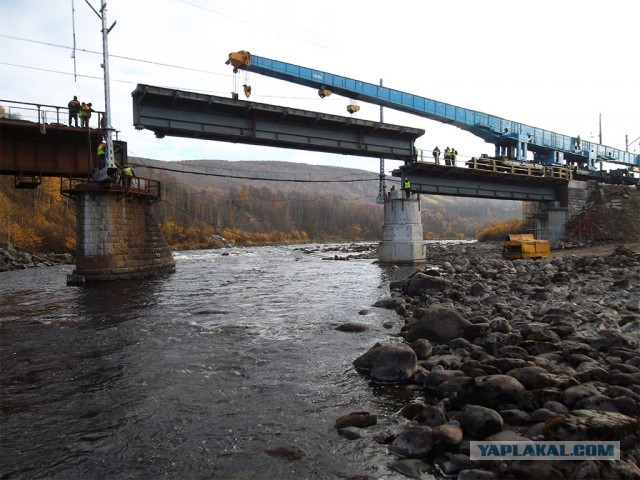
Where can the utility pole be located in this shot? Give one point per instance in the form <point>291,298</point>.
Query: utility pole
<point>111,166</point>
<point>600,127</point>
<point>108,129</point>
<point>382,187</point>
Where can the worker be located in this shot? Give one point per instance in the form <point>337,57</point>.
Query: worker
<point>81,114</point>
<point>436,155</point>
<point>85,114</point>
<point>406,185</point>
<point>447,156</point>
<point>74,107</point>
<point>415,153</point>
<point>454,154</point>
<point>126,175</point>
<point>102,153</point>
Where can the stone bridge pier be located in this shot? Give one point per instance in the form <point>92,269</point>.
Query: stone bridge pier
<point>117,237</point>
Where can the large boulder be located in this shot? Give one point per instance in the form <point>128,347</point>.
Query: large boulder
<point>437,324</point>
<point>592,425</point>
<point>364,362</point>
<point>489,391</point>
<point>394,363</point>
<point>416,442</point>
<point>479,422</point>
<point>422,283</point>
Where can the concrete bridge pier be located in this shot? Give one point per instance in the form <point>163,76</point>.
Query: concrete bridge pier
<point>117,238</point>
<point>402,237</point>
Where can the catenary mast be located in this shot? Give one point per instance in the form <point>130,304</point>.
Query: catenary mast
<point>107,93</point>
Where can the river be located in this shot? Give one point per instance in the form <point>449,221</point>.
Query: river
<point>193,375</point>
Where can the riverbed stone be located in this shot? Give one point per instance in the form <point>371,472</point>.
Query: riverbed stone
<point>448,434</point>
<point>423,348</point>
<point>592,425</point>
<point>416,442</point>
<point>439,375</point>
<point>394,363</point>
<point>479,422</point>
<point>422,283</point>
<point>476,474</point>
<point>438,324</point>
<point>350,433</point>
<point>410,468</point>
<point>352,327</point>
<point>390,303</point>
<point>488,391</point>
<point>365,361</point>
<point>290,453</point>
<point>356,419</point>
<point>515,417</point>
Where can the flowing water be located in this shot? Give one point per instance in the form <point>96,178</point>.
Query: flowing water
<point>193,375</point>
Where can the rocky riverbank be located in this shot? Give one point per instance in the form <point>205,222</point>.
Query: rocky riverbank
<point>11,259</point>
<point>522,350</point>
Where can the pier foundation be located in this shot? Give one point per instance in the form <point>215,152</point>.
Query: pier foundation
<point>402,237</point>
<point>117,238</point>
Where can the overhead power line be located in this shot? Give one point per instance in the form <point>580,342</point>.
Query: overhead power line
<point>293,180</point>
<point>115,56</point>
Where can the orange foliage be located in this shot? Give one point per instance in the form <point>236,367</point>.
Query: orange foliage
<point>497,231</point>
<point>38,220</point>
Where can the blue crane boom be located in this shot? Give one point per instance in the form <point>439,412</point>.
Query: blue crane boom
<point>511,139</point>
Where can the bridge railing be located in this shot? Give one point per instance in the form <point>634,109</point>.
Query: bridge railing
<point>519,168</point>
<point>42,113</point>
<point>499,165</point>
<point>143,188</point>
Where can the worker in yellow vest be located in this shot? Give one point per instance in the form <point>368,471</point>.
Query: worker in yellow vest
<point>406,186</point>
<point>102,153</point>
<point>126,175</point>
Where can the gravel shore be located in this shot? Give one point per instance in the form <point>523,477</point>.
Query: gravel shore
<point>523,350</point>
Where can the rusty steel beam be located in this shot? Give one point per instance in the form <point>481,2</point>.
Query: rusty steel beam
<point>49,150</point>
<point>193,115</point>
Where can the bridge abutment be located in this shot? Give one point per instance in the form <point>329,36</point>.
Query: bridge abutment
<point>549,219</point>
<point>117,238</point>
<point>402,237</point>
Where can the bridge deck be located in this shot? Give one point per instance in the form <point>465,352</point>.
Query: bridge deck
<point>438,179</point>
<point>194,115</point>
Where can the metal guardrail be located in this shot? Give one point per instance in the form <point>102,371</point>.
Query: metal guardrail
<point>495,165</point>
<point>143,188</point>
<point>519,168</point>
<point>43,114</point>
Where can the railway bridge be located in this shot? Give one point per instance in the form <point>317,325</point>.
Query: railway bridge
<point>116,236</point>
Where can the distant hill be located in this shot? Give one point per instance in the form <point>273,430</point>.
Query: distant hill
<point>352,183</point>
<point>224,200</point>
<point>257,190</point>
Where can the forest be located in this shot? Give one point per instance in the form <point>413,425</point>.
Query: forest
<point>247,203</point>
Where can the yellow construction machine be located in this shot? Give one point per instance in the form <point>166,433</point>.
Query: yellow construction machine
<point>524,245</point>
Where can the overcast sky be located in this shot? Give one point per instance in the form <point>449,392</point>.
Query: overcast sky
<point>552,64</point>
